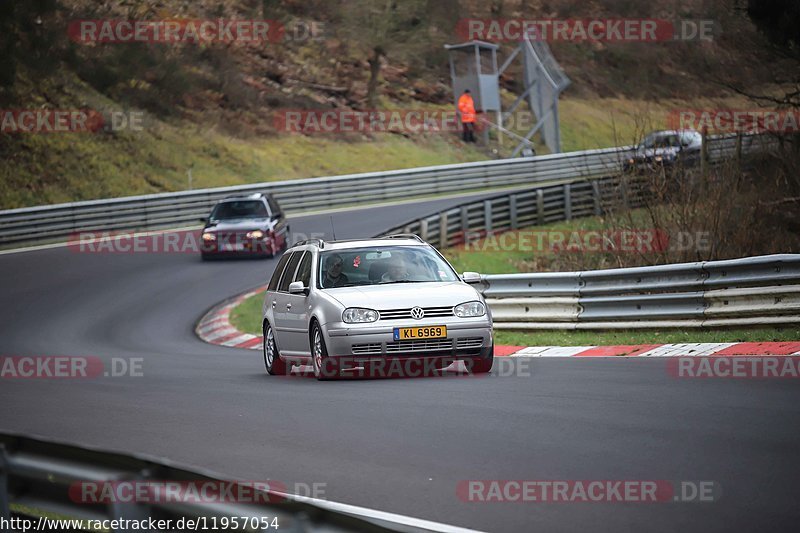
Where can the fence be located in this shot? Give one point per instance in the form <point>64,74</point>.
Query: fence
<point>158,211</point>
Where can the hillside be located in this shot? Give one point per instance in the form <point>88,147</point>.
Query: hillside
<point>209,109</point>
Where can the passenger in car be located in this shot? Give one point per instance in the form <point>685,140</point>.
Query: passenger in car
<point>334,277</point>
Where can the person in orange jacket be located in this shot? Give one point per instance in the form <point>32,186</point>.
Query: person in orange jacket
<point>466,108</point>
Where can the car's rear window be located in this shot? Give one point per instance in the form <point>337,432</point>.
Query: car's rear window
<point>239,209</point>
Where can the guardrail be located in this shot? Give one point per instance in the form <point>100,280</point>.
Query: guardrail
<point>531,207</point>
<point>752,291</point>
<point>42,478</point>
<point>158,211</point>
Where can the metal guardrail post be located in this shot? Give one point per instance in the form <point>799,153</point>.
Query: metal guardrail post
<point>443,236</point>
<point>423,229</point>
<point>623,185</point>
<point>487,215</point>
<point>465,223</point>
<point>512,211</point>
<point>567,202</point>
<point>540,206</point>
<point>598,207</point>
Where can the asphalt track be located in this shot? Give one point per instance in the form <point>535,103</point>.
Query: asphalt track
<point>397,445</point>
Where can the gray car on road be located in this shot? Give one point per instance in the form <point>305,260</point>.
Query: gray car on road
<point>346,306</point>
<point>668,148</point>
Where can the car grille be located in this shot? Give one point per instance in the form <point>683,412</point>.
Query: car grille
<point>367,349</point>
<point>469,343</point>
<point>232,237</point>
<point>430,312</point>
<point>422,345</point>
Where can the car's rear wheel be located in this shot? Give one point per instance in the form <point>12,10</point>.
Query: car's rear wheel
<point>482,365</point>
<point>324,366</point>
<point>273,363</point>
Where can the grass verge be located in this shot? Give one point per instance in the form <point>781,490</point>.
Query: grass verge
<point>247,318</point>
<point>623,337</point>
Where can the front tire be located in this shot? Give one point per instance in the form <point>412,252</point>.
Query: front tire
<point>324,366</point>
<point>273,363</point>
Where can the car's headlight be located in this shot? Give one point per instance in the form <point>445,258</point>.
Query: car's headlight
<point>257,234</point>
<point>209,237</point>
<point>357,315</point>
<point>470,309</point>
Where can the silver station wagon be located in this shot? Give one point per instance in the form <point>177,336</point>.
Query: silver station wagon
<point>389,306</point>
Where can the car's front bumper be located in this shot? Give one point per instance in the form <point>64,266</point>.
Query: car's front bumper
<point>466,339</point>
<point>247,248</point>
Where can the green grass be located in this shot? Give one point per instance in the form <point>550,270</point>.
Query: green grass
<point>60,168</point>
<point>487,256</point>
<point>623,337</point>
<point>246,316</point>
<point>54,168</point>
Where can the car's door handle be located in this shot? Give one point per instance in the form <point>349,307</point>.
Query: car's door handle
<point>274,303</point>
<point>288,306</point>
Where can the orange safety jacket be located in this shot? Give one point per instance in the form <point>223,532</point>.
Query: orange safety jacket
<point>466,106</point>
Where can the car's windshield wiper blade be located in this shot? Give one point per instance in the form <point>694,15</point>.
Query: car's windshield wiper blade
<point>402,281</point>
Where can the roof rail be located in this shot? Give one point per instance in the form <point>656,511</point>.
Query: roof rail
<point>318,242</point>
<point>403,236</point>
<point>245,195</point>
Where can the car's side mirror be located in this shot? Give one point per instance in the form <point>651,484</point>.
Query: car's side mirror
<point>297,287</point>
<point>471,277</point>
<point>204,220</point>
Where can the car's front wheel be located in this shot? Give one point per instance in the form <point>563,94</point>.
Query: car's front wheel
<point>273,363</point>
<point>324,366</point>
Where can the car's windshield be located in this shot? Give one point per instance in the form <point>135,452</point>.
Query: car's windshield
<point>239,209</point>
<point>382,265</point>
<point>661,141</point>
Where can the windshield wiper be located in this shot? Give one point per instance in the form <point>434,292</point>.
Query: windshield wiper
<point>403,281</point>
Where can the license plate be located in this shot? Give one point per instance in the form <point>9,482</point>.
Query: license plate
<point>422,332</point>
<point>233,246</point>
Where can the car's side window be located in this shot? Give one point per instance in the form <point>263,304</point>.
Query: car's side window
<point>288,273</point>
<point>273,206</point>
<point>304,271</point>
<point>276,276</point>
